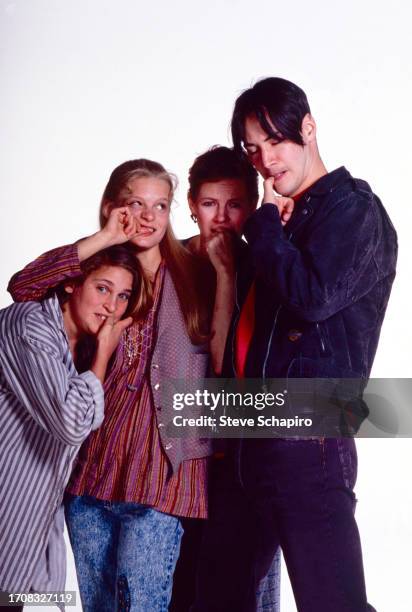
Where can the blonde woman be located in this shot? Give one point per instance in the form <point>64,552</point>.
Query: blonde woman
<point>132,481</point>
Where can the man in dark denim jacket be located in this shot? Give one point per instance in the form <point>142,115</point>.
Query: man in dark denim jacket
<point>320,287</point>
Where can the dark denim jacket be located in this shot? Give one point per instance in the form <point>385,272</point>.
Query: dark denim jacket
<point>322,283</point>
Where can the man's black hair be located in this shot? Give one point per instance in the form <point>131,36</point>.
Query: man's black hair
<point>276,99</point>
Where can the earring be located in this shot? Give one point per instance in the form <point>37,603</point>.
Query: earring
<point>193,217</point>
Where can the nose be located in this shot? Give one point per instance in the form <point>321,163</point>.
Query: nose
<point>110,303</point>
<point>221,214</point>
<point>147,213</point>
<point>267,156</point>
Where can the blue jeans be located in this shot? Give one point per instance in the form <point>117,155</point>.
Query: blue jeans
<point>296,493</point>
<point>125,554</point>
<point>268,595</point>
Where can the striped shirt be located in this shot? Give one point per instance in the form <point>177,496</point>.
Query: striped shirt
<point>125,459</point>
<point>47,409</point>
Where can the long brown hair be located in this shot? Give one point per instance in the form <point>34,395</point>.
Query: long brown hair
<point>121,255</point>
<point>182,265</point>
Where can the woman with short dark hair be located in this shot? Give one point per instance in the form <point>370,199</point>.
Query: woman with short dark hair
<point>223,192</point>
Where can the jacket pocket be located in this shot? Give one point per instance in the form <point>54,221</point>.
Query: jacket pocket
<point>330,395</point>
<point>323,367</point>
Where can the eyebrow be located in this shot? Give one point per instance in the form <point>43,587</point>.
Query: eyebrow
<point>137,197</point>
<point>106,280</point>
<point>276,136</point>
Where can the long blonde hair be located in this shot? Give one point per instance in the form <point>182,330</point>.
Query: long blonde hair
<point>182,265</point>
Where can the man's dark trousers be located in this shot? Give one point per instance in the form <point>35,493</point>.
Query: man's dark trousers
<point>296,493</point>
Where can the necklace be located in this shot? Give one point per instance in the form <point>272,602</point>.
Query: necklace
<point>138,338</point>
<point>132,342</point>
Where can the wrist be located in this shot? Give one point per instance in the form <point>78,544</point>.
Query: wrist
<point>225,274</point>
<point>104,351</point>
<point>106,237</point>
<point>99,367</point>
<point>92,244</point>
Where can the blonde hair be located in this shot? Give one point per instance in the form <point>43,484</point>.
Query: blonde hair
<point>182,265</point>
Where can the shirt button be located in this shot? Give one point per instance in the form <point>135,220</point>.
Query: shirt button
<point>160,424</point>
<point>305,211</point>
<point>157,386</point>
<point>155,366</point>
<point>168,446</point>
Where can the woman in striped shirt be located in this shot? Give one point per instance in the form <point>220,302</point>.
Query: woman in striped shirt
<point>47,408</point>
<point>133,480</point>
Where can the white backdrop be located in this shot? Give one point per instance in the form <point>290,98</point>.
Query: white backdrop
<point>88,84</point>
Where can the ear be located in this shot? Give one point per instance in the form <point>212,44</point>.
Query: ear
<point>106,208</point>
<point>192,205</point>
<point>69,287</point>
<point>308,129</point>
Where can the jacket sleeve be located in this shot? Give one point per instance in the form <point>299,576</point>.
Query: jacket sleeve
<point>65,405</point>
<point>332,268</point>
<point>44,273</point>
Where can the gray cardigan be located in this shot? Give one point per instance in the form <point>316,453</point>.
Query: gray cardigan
<point>175,357</point>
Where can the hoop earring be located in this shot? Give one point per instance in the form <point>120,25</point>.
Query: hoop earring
<point>193,217</point>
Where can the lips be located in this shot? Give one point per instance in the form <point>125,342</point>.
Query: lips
<point>217,229</point>
<point>145,230</point>
<point>279,175</point>
<point>102,318</point>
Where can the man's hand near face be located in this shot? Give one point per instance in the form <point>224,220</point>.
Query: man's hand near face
<point>284,205</point>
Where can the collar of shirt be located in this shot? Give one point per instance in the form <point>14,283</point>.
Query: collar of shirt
<point>52,308</point>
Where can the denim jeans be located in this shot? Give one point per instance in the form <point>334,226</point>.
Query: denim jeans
<point>125,554</point>
<point>296,493</point>
<point>268,595</point>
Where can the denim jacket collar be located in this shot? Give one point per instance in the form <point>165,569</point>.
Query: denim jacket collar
<point>328,183</point>
<point>312,198</point>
